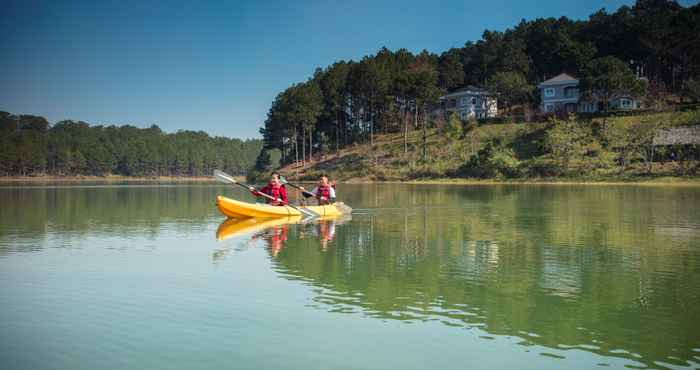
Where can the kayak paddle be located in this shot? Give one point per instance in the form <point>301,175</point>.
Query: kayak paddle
<point>306,193</point>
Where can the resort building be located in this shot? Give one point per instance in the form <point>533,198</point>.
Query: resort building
<point>470,102</point>
<point>560,94</point>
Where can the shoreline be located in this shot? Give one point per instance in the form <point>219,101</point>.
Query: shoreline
<point>106,179</point>
<point>563,182</point>
<point>661,181</point>
<point>671,181</point>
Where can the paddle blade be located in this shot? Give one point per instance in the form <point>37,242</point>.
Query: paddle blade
<point>222,176</point>
<point>308,212</point>
<point>343,208</point>
<point>283,180</point>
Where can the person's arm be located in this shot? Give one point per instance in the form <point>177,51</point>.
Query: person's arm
<point>253,191</point>
<point>306,193</point>
<point>260,192</point>
<point>311,193</point>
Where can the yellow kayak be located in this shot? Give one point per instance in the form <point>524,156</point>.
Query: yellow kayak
<point>237,209</point>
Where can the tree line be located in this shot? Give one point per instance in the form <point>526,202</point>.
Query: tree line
<point>396,91</point>
<point>29,145</point>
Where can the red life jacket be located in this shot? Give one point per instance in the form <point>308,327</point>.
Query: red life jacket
<point>275,192</point>
<point>324,191</point>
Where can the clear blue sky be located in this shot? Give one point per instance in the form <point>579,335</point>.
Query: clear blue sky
<point>216,66</point>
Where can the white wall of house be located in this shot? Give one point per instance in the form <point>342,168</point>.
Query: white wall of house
<point>625,103</point>
<point>561,93</point>
<point>472,105</point>
<point>557,92</point>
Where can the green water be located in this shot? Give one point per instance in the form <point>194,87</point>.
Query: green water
<point>443,277</point>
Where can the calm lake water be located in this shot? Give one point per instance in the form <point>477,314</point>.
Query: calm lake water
<point>420,277</point>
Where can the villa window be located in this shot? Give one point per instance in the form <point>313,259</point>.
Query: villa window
<point>548,92</point>
<point>549,107</point>
<point>463,101</point>
<point>473,101</point>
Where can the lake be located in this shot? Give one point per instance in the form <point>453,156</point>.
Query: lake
<point>419,277</point>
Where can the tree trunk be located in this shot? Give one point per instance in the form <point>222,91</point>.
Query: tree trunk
<point>344,125</point>
<point>371,126</point>
<point>337,129</point>
<point>296,149</point>
<point>415,117</point>
<point>425,143</point>
<point>303,146</point>
<point>405,133</point>
<point>282,142</point>
<point>311,146</point>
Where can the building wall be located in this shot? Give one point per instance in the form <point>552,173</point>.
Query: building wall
<point>555,97</point>
<point>475,106</point>
<point>564,94</point>
<point>625,103</point>
<point>563,91</point>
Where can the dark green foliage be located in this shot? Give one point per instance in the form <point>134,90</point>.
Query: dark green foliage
<point>609,78</point>
<point>493,161</point>
<point>511,88</point>
<point>568,140</point>
<point>450,70</point>
<point>454,127</point>
<point>30,147</point>
<point>540,167</point>
<point>691,90</point>
<point>397,91</point>
<point>263,166</point>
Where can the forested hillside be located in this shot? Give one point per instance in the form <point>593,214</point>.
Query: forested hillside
<point>629,148</point>
<point>349,102</point>
<point>30,146</point>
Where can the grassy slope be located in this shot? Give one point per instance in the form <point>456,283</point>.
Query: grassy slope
<point>385,161</point>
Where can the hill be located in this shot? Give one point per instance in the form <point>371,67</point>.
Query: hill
<point>596,149</point>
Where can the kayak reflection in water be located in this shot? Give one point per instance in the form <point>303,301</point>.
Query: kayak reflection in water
<point>275,238</point>
<point>274,232</point>
<point>325,230</point>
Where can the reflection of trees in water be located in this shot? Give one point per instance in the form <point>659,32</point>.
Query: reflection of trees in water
<point>598,268</point>
<point>561,271</point>
<point>563,268</point>
<point>29,215</point>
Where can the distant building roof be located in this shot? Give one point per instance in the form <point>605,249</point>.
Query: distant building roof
<point>469,89</point>
<point>559,79</point>
<point>686,135</point>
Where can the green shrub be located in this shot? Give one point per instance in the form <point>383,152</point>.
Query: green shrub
<point>541,167</point>
<point>493,161</point>
<point>454,127</point>
<point>568,140</point>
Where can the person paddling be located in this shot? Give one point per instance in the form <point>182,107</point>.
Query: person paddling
<point>324,191</point>
<point>275,189</point>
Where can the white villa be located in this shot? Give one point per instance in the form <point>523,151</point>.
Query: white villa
<point>561,94</point>
<point>470,102</point>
